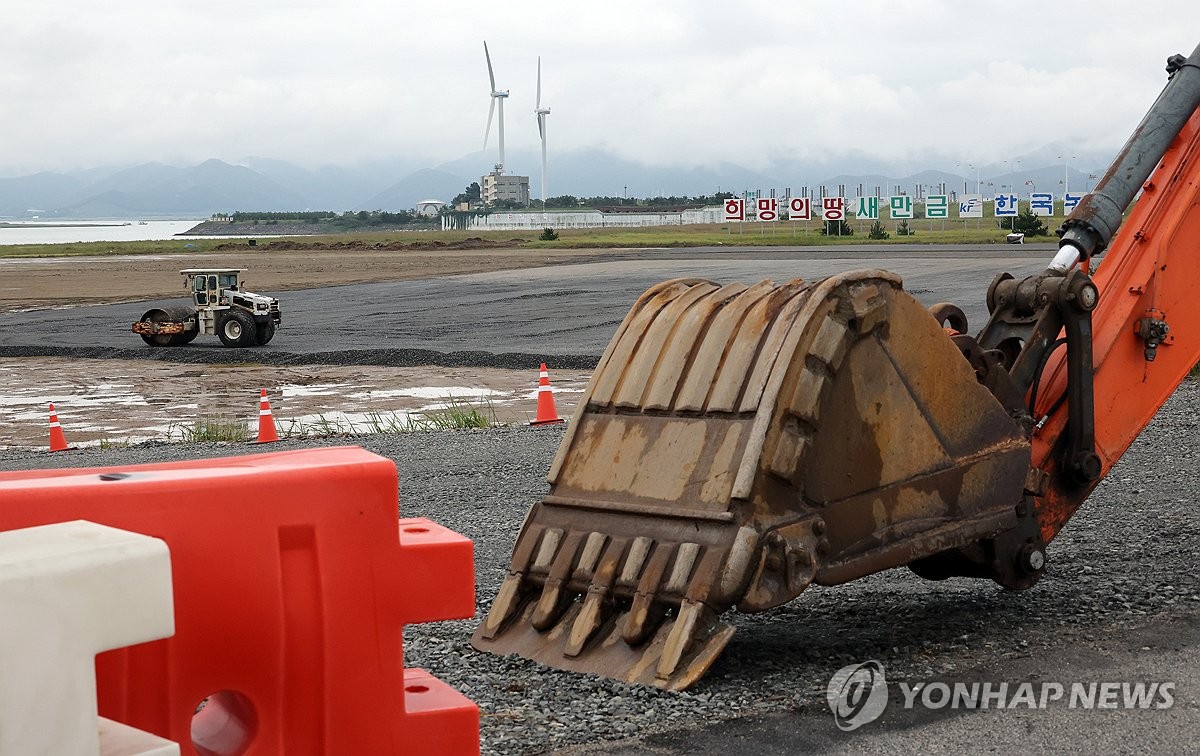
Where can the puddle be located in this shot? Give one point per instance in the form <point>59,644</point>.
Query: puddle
<point>120,402</point>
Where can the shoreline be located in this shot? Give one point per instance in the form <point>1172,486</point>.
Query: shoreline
<point>293,228</point>
<point>68,224</point>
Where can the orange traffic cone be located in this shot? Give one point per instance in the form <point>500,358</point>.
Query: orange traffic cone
<point>546,413</point>
<point>266,421</point>
<point>58,442</point>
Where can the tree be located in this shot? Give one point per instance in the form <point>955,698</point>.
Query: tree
<point>1029,224</point>
<point>470,194</point>
<point>837,228</point>
<point>548,234</point>
<point>904,230</point>
<point>877,231</point>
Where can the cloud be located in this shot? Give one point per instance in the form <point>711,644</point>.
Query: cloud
<point>671,82</point>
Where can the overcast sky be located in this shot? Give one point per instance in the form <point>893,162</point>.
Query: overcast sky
<point>86,83</point>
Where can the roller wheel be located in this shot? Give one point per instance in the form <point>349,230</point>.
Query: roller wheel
<point>236,329</point>
<point>186,337</point>
<point>265,332</point>
<point>158,340</point>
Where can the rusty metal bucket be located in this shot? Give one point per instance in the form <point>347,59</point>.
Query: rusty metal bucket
<point>737,443</point>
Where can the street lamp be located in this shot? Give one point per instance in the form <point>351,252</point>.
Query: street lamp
<point>1066,178</point>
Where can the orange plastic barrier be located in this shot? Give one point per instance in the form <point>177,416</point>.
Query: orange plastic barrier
<point>293,578</point>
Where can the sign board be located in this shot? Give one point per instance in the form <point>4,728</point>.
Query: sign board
<point>799,208</point>
<point>768,209</point>
<point>970,206</point>
<point>1041,203</point>
<point>735,210</point>
<point>901,207</point>
<point>937,206</point>
<point>868,207</point>
<point>833,208</point>
<point>1006,205</point>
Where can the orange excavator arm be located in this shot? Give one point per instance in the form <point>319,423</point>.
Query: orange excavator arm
<point>1146,335</point>
<point>738,443</point>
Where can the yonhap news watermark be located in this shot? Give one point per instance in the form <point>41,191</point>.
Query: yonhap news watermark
<point>859,694</point>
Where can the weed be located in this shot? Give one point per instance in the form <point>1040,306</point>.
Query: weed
<point>459,414</point>
<point>211,429</point>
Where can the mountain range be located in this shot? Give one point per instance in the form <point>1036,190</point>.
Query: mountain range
<point>264,184</point>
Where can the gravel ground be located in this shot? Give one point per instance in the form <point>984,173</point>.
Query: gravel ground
<point>1124,565</point>
<point>219,355</point>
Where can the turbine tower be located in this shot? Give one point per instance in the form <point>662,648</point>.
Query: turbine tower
<point>541,119</point>
<point>497,96</point>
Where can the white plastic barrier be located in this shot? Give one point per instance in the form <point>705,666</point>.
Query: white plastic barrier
<point>67,592</point>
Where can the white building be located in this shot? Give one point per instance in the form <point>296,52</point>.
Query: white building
<point>584,219</point>
<point>497,186</point>
<point>429,207</point>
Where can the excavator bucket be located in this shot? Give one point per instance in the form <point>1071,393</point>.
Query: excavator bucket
<point>736,444</point>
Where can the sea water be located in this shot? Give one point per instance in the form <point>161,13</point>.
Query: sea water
<point>66,232</point>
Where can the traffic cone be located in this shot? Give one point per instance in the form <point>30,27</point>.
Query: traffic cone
<point>546,413</point>
<point>266,421</point>
<point>58,442</point>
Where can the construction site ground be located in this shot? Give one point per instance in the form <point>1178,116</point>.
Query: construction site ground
<point>1120,601</point>
<point>369,337</point>
<point>115,401</point>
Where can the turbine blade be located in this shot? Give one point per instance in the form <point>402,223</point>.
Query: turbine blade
<point>488,131</point>
<point>491,76</point>
<point>539,88</point>
<point>542,125</point>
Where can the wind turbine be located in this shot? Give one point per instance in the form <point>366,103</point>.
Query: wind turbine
<point>541,119</point>
<point>497,95</point>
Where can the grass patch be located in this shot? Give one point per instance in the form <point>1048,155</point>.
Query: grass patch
<point>109,248</point>
<point>458,414</point>
<point>950,231</point>
<point>210,429</point>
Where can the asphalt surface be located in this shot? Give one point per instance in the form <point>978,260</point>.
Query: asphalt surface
<point>509,318</point>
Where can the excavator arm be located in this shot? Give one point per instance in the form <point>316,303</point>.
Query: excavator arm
<point>738,443</point>
<point>1146,329</point>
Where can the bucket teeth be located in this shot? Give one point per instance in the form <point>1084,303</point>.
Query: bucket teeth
<point>632,569</point>
<point>590,556</point>
<point>685,559</point>
<point>679,640</point>
<point>643,617</point>
<point>554,599</point>
<point>587,622</point>
<point>591,613</point>
<point>548,548</point>
<point>503,605</point>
